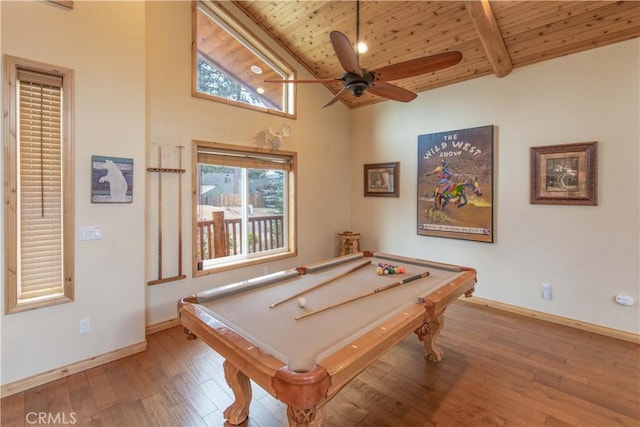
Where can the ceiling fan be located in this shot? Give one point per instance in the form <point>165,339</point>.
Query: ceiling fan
<point>357,80</point>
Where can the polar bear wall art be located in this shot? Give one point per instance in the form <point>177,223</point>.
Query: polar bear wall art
<point>112,180</point>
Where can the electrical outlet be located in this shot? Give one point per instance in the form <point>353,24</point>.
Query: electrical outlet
<point>85,327</point>
<point>546,290</point>
<point>625,300</point>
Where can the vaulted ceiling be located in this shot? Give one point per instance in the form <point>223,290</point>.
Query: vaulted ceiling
<point>494,37</point>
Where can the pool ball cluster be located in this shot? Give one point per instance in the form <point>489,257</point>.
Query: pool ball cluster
<point>384,269</point>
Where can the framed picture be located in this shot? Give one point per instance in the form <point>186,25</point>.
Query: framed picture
<point>382,180</point>
<point>111,179</point>
<point>564,174</point>
<point>455,184</point>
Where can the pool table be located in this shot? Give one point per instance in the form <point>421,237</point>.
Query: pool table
<point>304,352</point>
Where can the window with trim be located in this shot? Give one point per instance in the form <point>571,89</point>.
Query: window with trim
<point>243,203</point>
<point>38,185</point>
<point>230,64</point>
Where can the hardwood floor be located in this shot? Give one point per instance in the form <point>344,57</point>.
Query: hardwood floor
<point>500,369</point>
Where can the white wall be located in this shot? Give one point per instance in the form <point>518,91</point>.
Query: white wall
<point>319,136</point>
<point>132,71</point>
<point>586,253</point>
<point>104,42</point>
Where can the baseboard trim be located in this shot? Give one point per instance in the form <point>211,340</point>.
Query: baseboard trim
<point>157,327</point>
<point>83,365</point>
<point>565,321</point>
<point>74,368</point>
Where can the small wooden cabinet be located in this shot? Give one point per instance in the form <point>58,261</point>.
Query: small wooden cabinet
<point>348,243</point>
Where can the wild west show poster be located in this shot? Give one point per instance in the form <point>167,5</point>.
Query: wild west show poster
<point>455,184</point>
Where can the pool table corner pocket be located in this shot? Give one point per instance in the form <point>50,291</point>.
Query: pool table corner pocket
<point>303,393</point>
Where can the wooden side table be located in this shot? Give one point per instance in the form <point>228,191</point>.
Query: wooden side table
<point>349,243</point>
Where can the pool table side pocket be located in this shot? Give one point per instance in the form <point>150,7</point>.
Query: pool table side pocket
<point>349,361</point>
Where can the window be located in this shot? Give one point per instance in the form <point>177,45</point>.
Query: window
<point>38,185</point>
<point>231,65</point>
<point>243,205</point>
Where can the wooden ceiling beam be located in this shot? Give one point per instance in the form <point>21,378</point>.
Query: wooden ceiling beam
<point>490,36</point>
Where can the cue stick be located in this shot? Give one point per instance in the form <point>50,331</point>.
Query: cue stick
<point>159,212</point>
<point>180,212</point>
<point>366,294</point>
<point>332,279</point>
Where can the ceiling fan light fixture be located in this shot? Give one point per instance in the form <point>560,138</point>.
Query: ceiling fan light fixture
<point>362,47</point>
<point>358,88</point>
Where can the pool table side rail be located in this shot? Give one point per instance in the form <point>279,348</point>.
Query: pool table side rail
<point>347,362</point>
<point>442,297</point>
<point>245,285</point>
<point>271,278</point>
<point>416,261</point>
<point>257,364</point>
<point>332,262</point>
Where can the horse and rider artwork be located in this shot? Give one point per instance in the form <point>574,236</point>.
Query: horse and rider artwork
<point>453,187</point>
<point>455,184</point>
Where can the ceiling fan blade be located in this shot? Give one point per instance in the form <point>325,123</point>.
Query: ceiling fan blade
<point>345,53</point>
<point>387,90</point>
<point>303,81</point>
<point>339,95</point>
<point>415,67</point>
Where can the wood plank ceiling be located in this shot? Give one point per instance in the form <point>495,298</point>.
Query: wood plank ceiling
<point>494,37</point>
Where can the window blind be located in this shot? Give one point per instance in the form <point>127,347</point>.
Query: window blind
<point>40,266</point>
<point>244,159</point>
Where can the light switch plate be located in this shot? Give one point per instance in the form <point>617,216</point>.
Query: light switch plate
<point>90,232</point>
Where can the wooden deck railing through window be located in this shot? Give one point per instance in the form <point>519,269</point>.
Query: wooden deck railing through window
<point>221,237</point>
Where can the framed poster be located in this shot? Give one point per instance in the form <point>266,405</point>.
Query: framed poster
<point>111,179</point>
<point>381,180</point>
<point>455,184</point>
<point>564,174</point>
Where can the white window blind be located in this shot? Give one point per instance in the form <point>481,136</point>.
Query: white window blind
<point>244,159</point>
<point>40,189</point>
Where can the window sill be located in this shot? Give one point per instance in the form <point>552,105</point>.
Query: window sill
<point>196,94</point>
<point>241,263</point>
<point>35,303</point>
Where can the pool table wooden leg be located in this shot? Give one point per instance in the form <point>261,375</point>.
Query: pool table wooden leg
<point>428,333</point>
<point>308,417</point>
<point>240,384</point>
<point>190,335</point>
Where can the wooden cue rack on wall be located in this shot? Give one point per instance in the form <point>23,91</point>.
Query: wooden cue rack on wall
<point>160,170</point>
